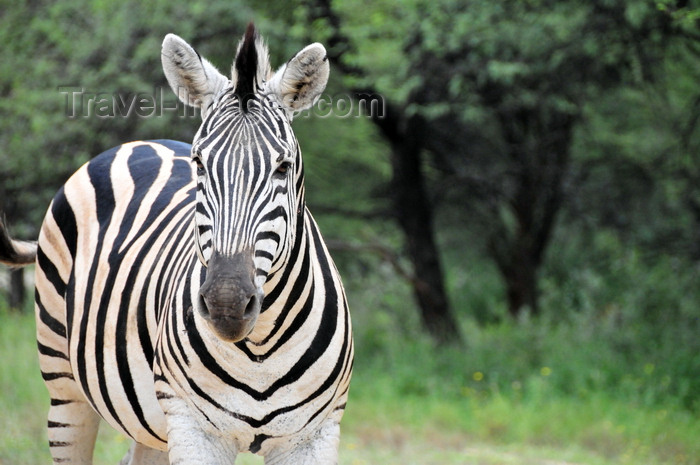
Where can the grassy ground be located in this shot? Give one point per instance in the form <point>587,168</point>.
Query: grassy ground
<point>530,425</point>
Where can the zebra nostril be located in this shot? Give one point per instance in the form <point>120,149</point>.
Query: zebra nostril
<point>253,306</point>
<point>203,307</point>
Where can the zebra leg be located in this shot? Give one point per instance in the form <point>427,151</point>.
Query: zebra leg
<point>321,449</point>
<point>72,422</point>
<point>72,425</point>
<point>139,454</point>
<point>188,443</point>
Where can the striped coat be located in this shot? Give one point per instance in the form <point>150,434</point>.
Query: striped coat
<point>184,293</point>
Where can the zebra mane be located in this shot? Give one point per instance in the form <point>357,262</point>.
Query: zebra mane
<point>251,67</point>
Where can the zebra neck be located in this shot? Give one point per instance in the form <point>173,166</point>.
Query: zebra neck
<point>289,294</point>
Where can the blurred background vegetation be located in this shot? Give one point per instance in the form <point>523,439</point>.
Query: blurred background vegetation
<point>518,229</point>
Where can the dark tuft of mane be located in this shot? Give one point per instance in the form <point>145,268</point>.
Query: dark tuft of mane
<point>247,67</point>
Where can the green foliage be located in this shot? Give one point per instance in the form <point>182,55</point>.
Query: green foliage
<point>643,305</point>
<point>343,177</point>
<point>609,366</point>
<point>613,321</point>
<point>637,171</point>
<point>611,363</point>
<point>108,50</point>
<point>508,400</point>
<point>458,64</point>
<point>504,90</point>
<point>22,392</point>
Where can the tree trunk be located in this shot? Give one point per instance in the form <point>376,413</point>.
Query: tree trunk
<point>413,209</point>
<point>17,290</point>
<point>519,272</point>
<point>414,214</point>
<point>539,147</point>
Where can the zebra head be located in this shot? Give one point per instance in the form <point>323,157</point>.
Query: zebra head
<point>249,172</point>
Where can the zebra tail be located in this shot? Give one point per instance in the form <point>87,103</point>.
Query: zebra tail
<point>15,253</point>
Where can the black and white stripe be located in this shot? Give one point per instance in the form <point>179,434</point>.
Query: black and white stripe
<point>138,314</point>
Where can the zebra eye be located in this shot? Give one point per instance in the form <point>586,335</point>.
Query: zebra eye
<point>200,167</point>
<point>284,167</point>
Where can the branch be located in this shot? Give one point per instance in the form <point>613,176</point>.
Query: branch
<point>338,45</point>
<point>689,127</point>
<point>384,252</point>
<point>348,213</point>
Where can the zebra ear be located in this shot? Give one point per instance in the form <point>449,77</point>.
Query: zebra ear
<point>195,81</point>
<point>300,82</point>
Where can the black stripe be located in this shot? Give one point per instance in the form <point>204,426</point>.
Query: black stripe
<point>185,255</point>
<point>297,323</point>
<point>327,326</point>
<point>51,272</point>
<point>65,220</point>
<point>55,424</point>
<point>57,402</point>
<point>99,173</point>
<point>49,352</point>
<point>180,149</point>
<point>341,406</point>
<point>264,254</point>
<point>274,214</point>
<point>273,295</point>
<point>122,358</point>
<point>319,411</point>
<point>52,323</point>
<point>60,444</point>
<point>187,378</point>
<point>256,445</point>
<point>56,375</point>
<point>70,303</point>
<point>267,235</point>
<point>142,318</point>
<point>144,164</point>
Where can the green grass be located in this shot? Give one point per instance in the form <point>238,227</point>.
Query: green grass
<point>390,420</point>
<point>537,426</point>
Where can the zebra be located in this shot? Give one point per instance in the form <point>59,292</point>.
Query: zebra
<point>184,293</point>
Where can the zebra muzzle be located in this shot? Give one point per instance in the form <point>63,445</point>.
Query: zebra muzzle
<point>229,299</point>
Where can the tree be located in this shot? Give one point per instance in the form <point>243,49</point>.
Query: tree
<point>492,93</point>
<point>638,172</point>
<point>411,206</point>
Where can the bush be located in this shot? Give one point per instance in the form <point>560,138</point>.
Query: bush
<point>620,323</point>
